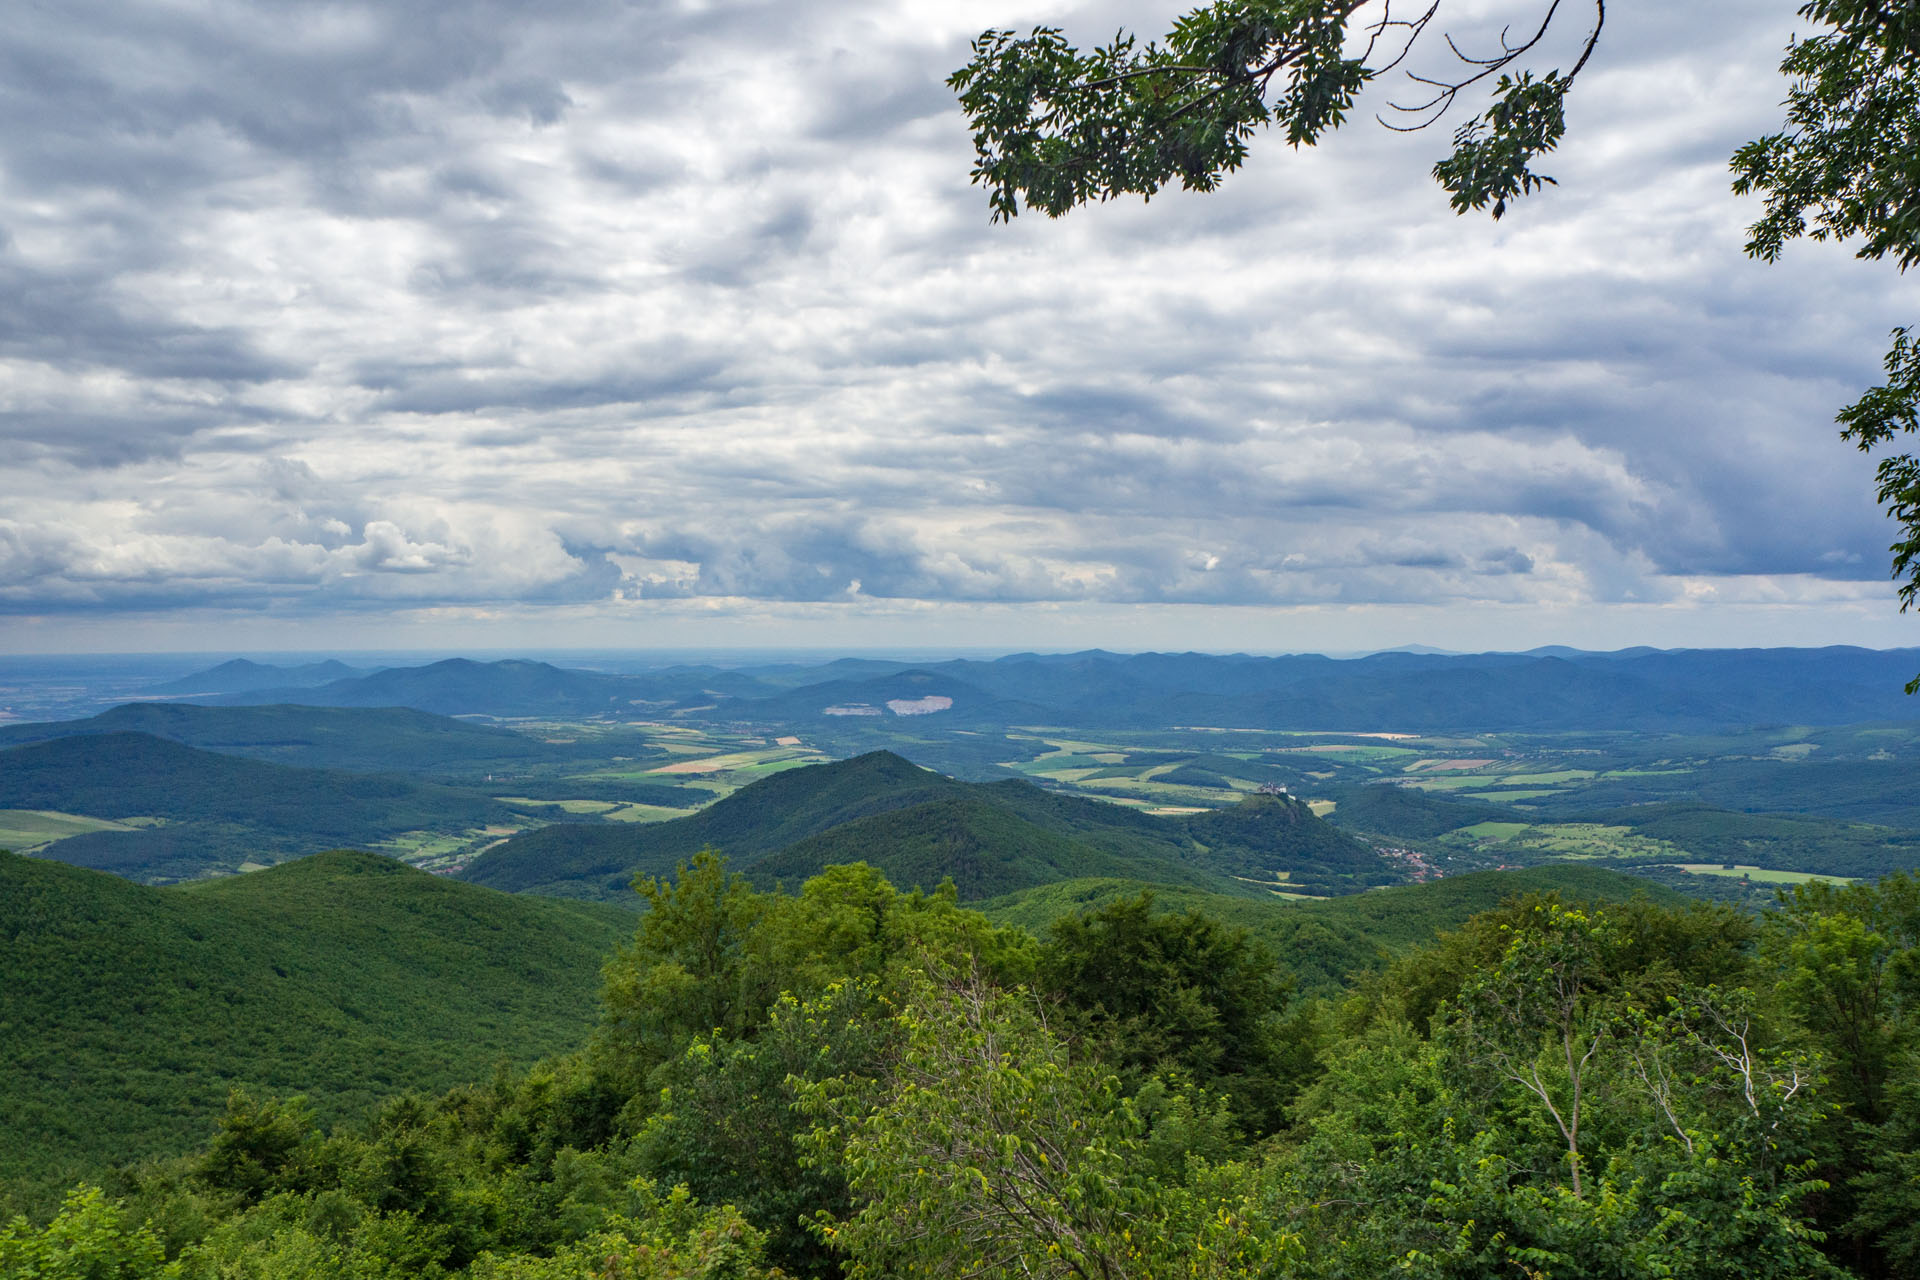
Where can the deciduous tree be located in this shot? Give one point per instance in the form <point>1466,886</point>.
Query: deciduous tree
<point>1055,127</point>
<point>1846,166</point>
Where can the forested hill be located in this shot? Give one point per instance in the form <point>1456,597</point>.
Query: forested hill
<point>127,1012</point>
<point>920,827</point>
<point>754,821</point>
<point>1408,812</point>
<point>850,1081</point>
<point>983,847</point>
<point>217,811</point>
<point>750,824</point>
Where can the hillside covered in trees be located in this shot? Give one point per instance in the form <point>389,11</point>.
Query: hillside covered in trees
<point>199,812</point>
<point>849,1080</point>
<point>128,1012</point>
<point>920,827</point>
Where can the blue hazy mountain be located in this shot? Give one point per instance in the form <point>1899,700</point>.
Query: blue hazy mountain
<point>371,739</point>
<point>1651,691</point>
<point>460,686</point>
<point>1552,690</point>
<point>243,676</point>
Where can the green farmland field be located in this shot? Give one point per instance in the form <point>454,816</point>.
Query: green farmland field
<point>1757,874</point>
<point>24,830</point>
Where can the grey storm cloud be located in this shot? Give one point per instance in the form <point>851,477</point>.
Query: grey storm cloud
<point>364,306</point>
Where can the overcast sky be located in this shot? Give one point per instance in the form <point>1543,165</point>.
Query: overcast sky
<point>676,322</point>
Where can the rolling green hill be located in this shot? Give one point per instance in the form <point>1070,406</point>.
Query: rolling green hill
<point>921,827</point>
<point>1214,770</point>
<point>1265,837</point>
<point>1408,813</point>
<point>768,815</point>
<point>220,811</point>
<point>984,848</point>
<point>127,1012</point>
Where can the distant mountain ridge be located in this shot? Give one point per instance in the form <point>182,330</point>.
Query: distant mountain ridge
<point>1692,690</point>
<point>460,686</point>
<point>396,739</point>
<point>913,691</point>
<point>243,676</point>
<point>1684,690</point>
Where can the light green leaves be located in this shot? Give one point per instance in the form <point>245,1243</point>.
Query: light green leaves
<point>87,1240</point>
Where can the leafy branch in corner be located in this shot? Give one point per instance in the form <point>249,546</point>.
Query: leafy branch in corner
<point>1846,165</point>
<point>1056,127</point>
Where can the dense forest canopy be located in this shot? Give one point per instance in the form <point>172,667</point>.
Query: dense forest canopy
<point>128,1012</point>
<point>855,1081</point>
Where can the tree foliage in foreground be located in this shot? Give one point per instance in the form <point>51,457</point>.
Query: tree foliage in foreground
<point>1056,127</point>
<point>1846,166</point>
<point>853,1081</point>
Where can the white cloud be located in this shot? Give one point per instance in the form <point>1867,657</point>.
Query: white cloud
<point>397,307</point>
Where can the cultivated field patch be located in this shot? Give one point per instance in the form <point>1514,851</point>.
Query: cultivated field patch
<point>1453,784</point>
<point>1547,779</point>
<point>441,851</point>
<point>645,813</point>
<point>711,764</point>
<point>1505,797</point>
<point>1760,875</point>
<point>24,830</point>
<point>1575,840</point>
<point>567,806</point>
<point>1492,830</point>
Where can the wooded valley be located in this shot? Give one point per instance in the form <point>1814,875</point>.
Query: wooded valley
<point>698,997</point>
